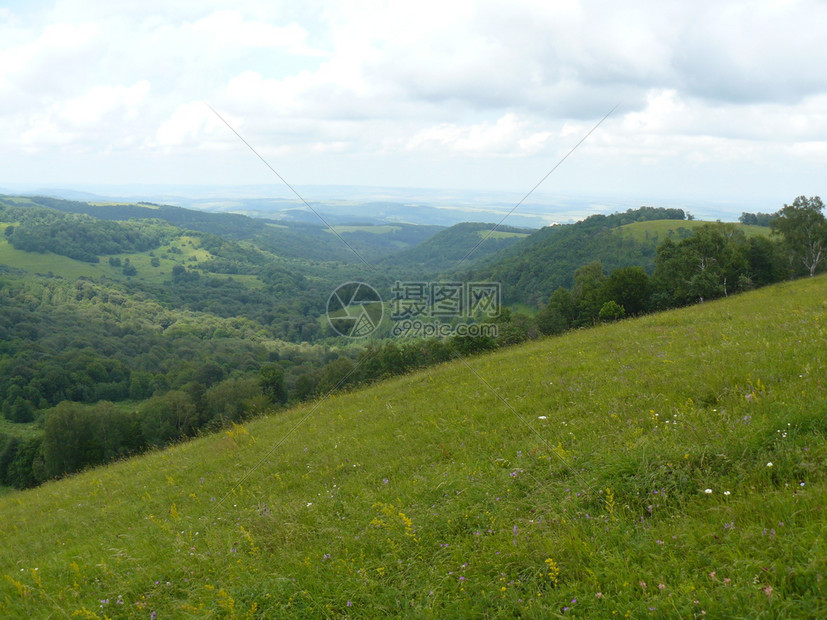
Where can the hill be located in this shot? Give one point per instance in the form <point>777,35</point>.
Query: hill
<point>444,250</point>
<point>533,268</point>
<point>668,466</point>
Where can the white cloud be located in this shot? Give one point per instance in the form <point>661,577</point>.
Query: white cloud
<point>100,101</point>
<point>227,28</point>
<point>403,91</point>
<point>507,136</point>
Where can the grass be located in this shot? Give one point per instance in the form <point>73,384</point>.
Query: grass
<point>72,269</point>
<point>661,229</point>
<point>668,466</point>
<point>23,431</point>
<point>35,262</point>
<point>500,234</point>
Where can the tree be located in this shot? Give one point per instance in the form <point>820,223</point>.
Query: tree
<point>558,314</point>
<point>611,311</point>
<point>706,265</point>
<point>588,293</point>
<point>805,231</point>
<point>271,379</point>
<point>629,287</point>
<point>167,418</point>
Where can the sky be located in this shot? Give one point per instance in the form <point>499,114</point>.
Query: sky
<point>712,100</point>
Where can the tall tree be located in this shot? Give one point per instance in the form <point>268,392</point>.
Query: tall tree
<point>805,231</point>
<point>271,379</point>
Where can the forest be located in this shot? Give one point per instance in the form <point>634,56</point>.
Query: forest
<point>225,329</point>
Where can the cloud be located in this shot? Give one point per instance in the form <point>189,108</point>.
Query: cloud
<point>349,85</point>
<point>507,136</point>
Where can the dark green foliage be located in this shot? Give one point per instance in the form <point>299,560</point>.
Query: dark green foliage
<point>630,288</point>
<point>21,462</point>
<point>271,380</point>
<point>713,262</point>
<point>804,229</point>
<point>76,437</point>
<point>168,418</point>
<point>589,293</point>
<point>82,238</point>
<point>530,269</point>
<point>230,401</point>
<point>757,219</point>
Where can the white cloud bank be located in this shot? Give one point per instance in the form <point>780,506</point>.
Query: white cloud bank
<point>722,99</point>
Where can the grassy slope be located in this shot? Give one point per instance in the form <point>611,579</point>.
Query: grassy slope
<point>429,496</point>
<point>71,269</point>
<point>661,229</point>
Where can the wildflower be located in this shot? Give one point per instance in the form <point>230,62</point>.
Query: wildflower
<point>385,481</point>
<point>542,417</point>
<point>708,491</point>
<point>643,584</point>
<point>769,464</point>
<point>727,581</point>
<point>726,493</point>
<point>661,586</point>
<point>767,590</point>
<point>350,603</point>
<point>599,594</point>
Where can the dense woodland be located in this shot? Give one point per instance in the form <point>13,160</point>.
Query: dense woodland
<point>112,366</point>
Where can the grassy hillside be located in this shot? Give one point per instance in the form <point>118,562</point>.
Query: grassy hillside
<point>671,466</point>
<point>659,230</point>
<point>533,268</point>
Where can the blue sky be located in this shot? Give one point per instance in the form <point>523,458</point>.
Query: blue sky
<point>717,101</point>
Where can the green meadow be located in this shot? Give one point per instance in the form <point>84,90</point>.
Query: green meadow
<point>662,229</point>
<point>670,466</point>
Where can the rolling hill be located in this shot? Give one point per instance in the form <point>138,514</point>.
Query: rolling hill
<point>446,249</point>
<point>531,269</point>
<point>668,466</point>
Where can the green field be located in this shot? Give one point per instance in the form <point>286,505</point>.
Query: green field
<point>500,234</point>
<point>35,262</point>
<point>662,229</point>
<point>71,269</point>
<point>24,431</point>
<point>669,467</point>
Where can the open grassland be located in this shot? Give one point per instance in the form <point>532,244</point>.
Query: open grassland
<point>662,229</point>
<point>34,262</point>
<point>500,234</point>
<point>669,466</point>
<point>23,431</point>
<point>184,251</point>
